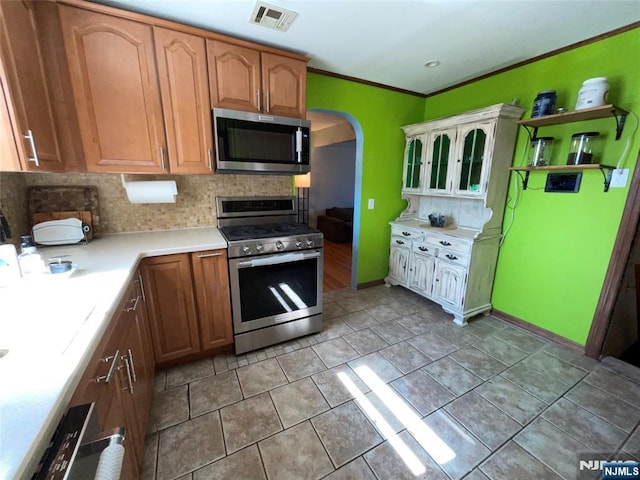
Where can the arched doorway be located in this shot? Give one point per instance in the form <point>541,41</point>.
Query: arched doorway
<point>336,166</point>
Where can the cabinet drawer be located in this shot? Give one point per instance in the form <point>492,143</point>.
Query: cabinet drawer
<point>453,257</point>
<point>406,232</point>
<point>449,243</point>
<point>422,248</point>
<point>397,241</point>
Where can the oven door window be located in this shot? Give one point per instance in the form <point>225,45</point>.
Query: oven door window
<point>278,290</point>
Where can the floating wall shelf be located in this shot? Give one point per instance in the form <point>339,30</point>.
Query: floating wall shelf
<point>605,169</point>
<point>594,113</point>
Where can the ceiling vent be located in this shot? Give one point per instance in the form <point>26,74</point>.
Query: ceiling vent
<point>272,17</point>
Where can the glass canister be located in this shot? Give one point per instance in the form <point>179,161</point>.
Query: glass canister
<point>585,148</point>
<point>540,152</point>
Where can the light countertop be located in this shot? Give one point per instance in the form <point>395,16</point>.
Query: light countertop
<point>51,326</point>
<point>454,231</point>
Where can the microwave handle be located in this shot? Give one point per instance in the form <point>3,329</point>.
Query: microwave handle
<point>299,144</point>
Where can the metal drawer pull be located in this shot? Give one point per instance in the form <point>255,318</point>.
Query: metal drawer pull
<point>207,255</point>
<point>144,298</point>
<point>32,143</point>
<point>135,305</point>
<point>133,367</point>
<point>107,378</point>
<point>406,234</point>
<point>451,257</point>
<point>423,249</point>
<point>210,159</point>
<point>399,242</point>
<point>268,100</point>
<point>162,157</point>
<point>445,243</point>
<point>129,380</point>
<point>259,103</point>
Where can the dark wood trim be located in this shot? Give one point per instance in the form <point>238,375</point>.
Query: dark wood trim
<point>373,283</point>
<point>565,342</point>
<point>181,27</point>
<point>617,266</point>
<point>597,38</point>
<point>364,82</point>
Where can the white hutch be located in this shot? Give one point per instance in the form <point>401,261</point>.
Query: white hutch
<point>457,166</point>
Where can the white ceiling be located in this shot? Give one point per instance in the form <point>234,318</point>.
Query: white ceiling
<point>389,41</point>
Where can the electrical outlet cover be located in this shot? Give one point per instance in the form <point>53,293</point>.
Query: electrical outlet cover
<point>619,178</point>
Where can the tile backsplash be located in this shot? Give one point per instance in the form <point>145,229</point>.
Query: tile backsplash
<point>194,207</point>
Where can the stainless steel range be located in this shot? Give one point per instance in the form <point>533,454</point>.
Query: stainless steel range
<point>275,270</point>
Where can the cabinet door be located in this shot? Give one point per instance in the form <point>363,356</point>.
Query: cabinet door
<point>421,273</point>
<point>27,92</point>
<point>234,76</point>
<point>474,144</point>
<point>438,161</point>
<point>413,160</point>
<point>184,85</point>
<point>171,306</point>
<point>284,85</point>
<point>9,159</point>
<point>449,284</point>
<point>115,88</point>
<point>211,284</point>
<point>398,260</point>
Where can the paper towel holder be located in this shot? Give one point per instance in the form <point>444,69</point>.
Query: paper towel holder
<point>150,191</point>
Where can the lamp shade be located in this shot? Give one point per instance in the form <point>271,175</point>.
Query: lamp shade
<point>303,181</point>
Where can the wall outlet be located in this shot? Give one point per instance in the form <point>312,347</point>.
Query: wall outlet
<point>619,178</point>
<point>371,204</point>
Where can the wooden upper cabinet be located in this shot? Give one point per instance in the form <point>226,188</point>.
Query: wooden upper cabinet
<point>28,102</point>
<point>182,70</point>
<point>116,94</point>
<point>211,285</point>
<point>9,159</point>
<point>284,81</point>
<point>243,78</point>
<point>234,76</point>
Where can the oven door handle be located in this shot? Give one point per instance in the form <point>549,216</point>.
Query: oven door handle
<point>278,259</point>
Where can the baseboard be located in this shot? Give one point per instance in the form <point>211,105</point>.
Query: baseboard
<point>555,338</point>
<point>374,283</point>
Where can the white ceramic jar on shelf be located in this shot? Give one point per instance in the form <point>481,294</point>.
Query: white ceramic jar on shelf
<point>593,93</point>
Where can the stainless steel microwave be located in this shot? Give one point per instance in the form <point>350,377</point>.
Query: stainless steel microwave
<point>257,143</point>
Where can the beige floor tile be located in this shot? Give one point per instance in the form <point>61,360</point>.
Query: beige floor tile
<point>511,399</point>
<point>189,446</point>
<point>432,345</point>
<point>298,401</point>
<point>537,383</point>
<point>500,350</point>
<point>345,433</point>
<point>492,426</point>
<point>422,392</point>
<point>334,352</point>
<point>355,470</point>
<point>333,387</point>
<point>512,462</point>
<point>360,320</point>
<point>622,414</point>
<point>554,368</point>
<point>615,384</point>
<point>376,364</point>
<point>214,392</point>
<point>245,464</point>
<point>169,407</point>
<point>295,454</point>
<point>383,313</point>
<point>521,339</point>
<point>365,341</point>
<point>478,362</point>
<point>335,328</point>
<point>405,357</point>
<point>301,363</point>
<point>249,421</point>
<point>260,377</point>
<point>452,375</point>
<point>392,332</point>
<point>189,372</point>
<point>403,459</point>
<point>415,323</point>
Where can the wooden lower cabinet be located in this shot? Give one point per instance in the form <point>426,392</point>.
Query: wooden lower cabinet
<point>119,378</point>
<point>188,304</point>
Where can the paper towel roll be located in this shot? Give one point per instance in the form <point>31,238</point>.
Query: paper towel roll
<point>110,463</point>
<point>162,191</point>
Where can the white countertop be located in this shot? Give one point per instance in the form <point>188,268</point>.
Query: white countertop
<point>454,231</point>
<point>52,326</point>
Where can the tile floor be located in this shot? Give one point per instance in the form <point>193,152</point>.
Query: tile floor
<point>392,389</point>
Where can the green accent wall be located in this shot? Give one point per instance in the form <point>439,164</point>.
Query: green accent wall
<point>380,113</point>
<point>555,256</point>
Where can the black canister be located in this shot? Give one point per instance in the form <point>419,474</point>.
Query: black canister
<point>544,103</point>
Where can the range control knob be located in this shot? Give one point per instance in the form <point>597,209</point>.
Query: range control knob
<point>246,249</point>
<point>259,247</point>
<point>310,243</point>
<point>279,245</point>
<point>298,244</point>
